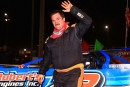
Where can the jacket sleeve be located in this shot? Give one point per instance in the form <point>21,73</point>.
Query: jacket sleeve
<point>85,21</point>
<point>46,60</point>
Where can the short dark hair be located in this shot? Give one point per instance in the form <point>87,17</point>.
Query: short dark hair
<point>58,11</point>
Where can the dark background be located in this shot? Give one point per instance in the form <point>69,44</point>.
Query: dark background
<point>102,12</point>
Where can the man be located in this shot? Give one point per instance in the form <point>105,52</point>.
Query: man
<point>5,55</point>
<point>64,48</point>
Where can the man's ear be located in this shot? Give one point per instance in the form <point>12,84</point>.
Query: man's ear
<point>64,19</point>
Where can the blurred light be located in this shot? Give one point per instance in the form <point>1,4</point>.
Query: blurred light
<point>5,14</point>
<point>106,26</point>
<point>93,26</point>
<point>25,49</point>
<point>87,63</point>
<point>6,19</point>
<point>25,56</point>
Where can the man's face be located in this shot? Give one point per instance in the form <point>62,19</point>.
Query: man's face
<point>57,21</point>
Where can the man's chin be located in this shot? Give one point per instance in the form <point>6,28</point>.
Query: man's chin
<point>58,28</point>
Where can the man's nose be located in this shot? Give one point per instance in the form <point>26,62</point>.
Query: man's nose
<point>56,22</point>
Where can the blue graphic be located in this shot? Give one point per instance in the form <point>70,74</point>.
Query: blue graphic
<point>113,77</point>
<point>110,77</point>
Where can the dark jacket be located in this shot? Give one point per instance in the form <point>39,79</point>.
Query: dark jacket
<point>66,50</point>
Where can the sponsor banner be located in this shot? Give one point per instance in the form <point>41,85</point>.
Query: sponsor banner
<point>119,66</point>
<point>27,77</point>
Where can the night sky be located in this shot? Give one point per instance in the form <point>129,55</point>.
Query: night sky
<point>102,12</point>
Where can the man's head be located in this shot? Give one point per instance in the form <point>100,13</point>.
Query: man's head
<point>58,19</point>
<point>4,47</point>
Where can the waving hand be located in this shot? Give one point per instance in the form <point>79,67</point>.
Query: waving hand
<point>66,5</point>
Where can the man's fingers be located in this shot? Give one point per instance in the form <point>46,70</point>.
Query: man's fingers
<point>66,5</point>
<point>68,2</point>
<point>63,6</point>
<point>65,2</point>
<point>64,10</point>
<point>40,80</point>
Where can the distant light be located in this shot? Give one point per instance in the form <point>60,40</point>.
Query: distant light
<point>5,14</point>
<point>25,56</point>
<point>25,49</point>
<point>6,19</point>
<point>106,26</point>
